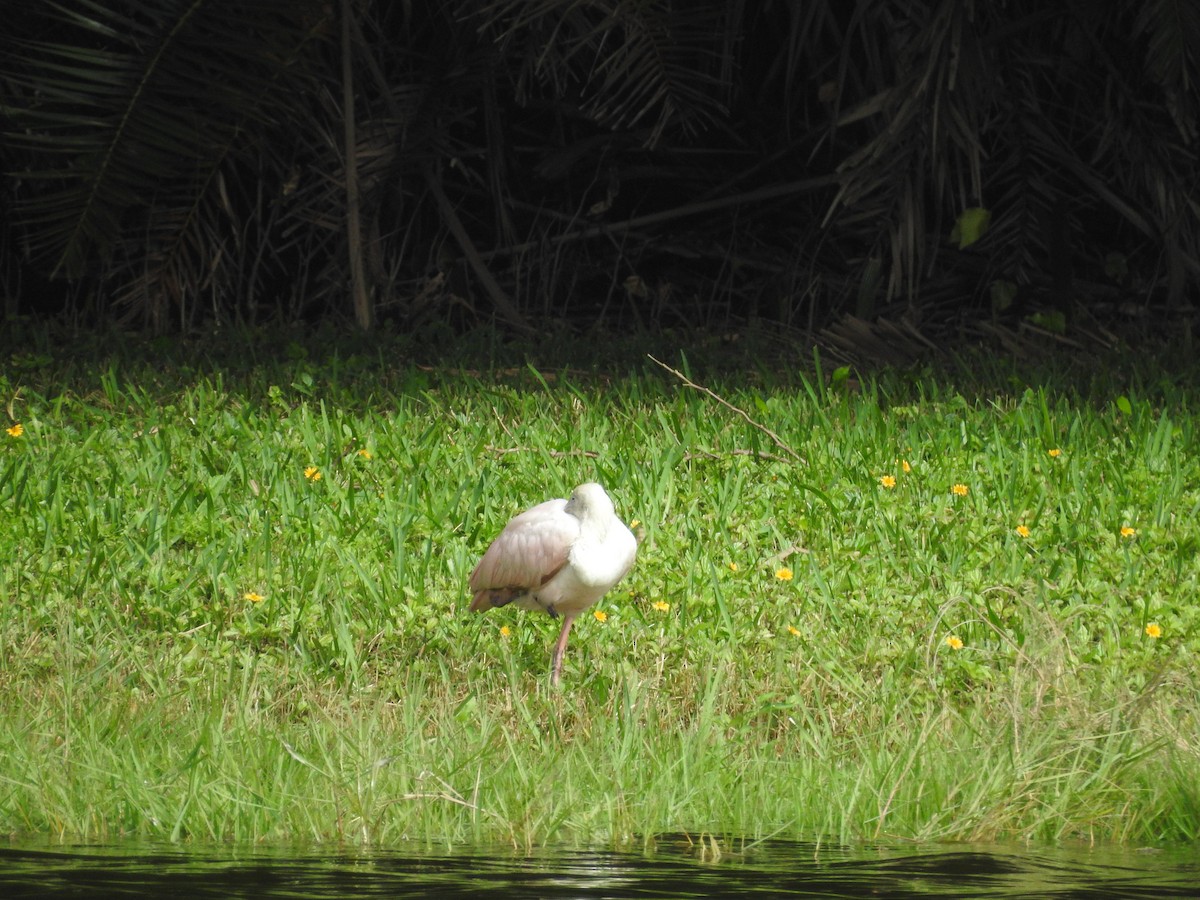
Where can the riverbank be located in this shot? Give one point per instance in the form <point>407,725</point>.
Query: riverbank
<point>928,605</point>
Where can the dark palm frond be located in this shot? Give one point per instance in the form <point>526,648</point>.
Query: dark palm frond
<point>1040,115</point>
<point>1082,150</point>
<point>921,154</point>
<point>126,118</point>
<point>1034,208</point>
<point>1171,32</point>
<point>634,64</point>
<point>188,158</point>
<point>1153,183</point>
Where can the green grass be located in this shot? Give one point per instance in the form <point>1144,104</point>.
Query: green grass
<point>142,693</point>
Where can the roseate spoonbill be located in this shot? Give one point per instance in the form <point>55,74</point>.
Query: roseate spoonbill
<point>561,556</point>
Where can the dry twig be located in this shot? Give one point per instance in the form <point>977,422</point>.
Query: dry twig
<point>557,454</point>
<point>741,412</point>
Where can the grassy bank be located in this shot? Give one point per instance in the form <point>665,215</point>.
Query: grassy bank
<point>927,606</point>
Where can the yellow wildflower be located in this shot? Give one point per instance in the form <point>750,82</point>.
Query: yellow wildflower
<point>17,430</point>
<point>253,597</point>
<point>793,631</point>
<point>634,524</point>
<point>733,567</point>
<point>601,615</point>
<point>365,453</point>
<point>960,490</point>
<point>954,642</point>
<point>1154,630</point>
<point>1127,532</point>
<point>662,605</point>
<point>312,473</point>
<point>1023,530</point>
<point>505,631</point>
<point>905,466</point>
<point>1055,453</point>
<point>784,574</point>
<point>887,481</point>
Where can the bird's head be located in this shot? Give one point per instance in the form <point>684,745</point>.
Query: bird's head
<point>590,502</point>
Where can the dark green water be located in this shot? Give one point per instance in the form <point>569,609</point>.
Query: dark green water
<point>673,869</point>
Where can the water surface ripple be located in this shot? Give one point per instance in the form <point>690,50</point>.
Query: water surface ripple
<point>674,869</point>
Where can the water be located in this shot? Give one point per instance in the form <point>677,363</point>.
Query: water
<point>676,868</point>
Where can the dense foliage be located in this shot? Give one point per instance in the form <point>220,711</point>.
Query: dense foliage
<point>642,161</point>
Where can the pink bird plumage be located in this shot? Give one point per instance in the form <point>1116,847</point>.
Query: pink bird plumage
<point>561,556</point>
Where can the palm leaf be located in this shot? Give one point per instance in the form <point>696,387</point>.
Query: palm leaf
<point>648,64</point>
<point>137,100</point>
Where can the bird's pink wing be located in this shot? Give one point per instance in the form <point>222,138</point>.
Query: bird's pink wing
<point>530,550</point>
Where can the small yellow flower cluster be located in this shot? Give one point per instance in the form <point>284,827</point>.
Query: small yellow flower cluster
<point>366,454</point>
<point>889,481</point>
<point>16,431</point>
<point>662,605</point>
<point>1022,530</point>
<point>253,597</point>
<point>1055,453</point>
<point>793,631</point>
<point>1127,532</point>
<point>954,642</point>
<point>312,473</point>
<point>505,631</point>
<point>601,615</point>
<point>784,574</point>
<point>1154,630</point>
<point>733,567</point>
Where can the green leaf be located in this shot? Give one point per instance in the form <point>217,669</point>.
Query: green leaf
<point>1053,321</point>
<point>1003,294</point>
<point>1124,405</point>
<point>1116,267</point>
<point>972,225</point>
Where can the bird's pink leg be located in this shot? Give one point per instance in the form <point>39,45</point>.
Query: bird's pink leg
<point>561,647</point>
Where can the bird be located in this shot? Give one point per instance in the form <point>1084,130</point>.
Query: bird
<point>561,556</point>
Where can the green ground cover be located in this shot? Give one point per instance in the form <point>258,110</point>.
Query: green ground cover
<point>920,605</point>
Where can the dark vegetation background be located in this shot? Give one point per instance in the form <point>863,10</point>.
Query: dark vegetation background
<point>882,172</point>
